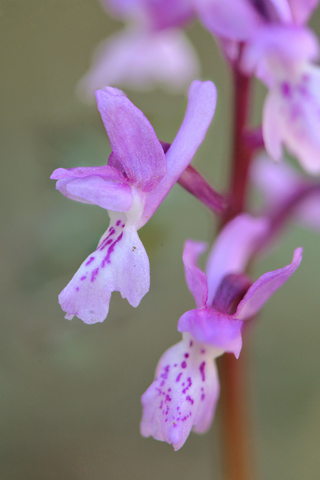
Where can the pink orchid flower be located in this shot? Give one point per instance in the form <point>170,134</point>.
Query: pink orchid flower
<point>131,187</point>
<point>244,20</point>
<point>185,391</point>
<point>150,51</point>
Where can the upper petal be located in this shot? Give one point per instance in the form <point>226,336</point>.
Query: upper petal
<point>132,138</point>
<point>103,186</point>
<point>233,248</point>
<point>229,19</point>
<point>200,111</point>
<point>119,263</point>
<point>168,13</point>
<point>195,278</point>
<point>183,395</point>
<point>264,287</point>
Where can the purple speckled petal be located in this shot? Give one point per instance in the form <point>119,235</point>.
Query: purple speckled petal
<point>265,286</point>
<point>200,111</point>
<point>103,186</point>
<point>210,327</point>
<point>291,117</point>
<point>233,248</point>
<point>119,263</point>
<point>195,278</point>
<point>183,395</point>
<point>132,138</point>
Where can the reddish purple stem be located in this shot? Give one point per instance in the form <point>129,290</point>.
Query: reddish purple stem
<point>236,448</point>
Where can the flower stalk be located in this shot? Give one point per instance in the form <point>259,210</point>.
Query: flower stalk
<point>234,415</point>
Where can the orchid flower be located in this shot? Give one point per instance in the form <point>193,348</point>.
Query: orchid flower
<point>221,17</point>
<point>185,391</point>
<point>280,53</point>
<point>291,116</point>
<point>131,187</point>
<point>272,42</point>
<point>150,51</point>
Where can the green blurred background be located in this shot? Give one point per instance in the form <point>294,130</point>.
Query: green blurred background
<point>70,393</point>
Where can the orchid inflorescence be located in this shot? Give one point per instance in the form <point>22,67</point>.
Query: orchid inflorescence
<point>266,39</point>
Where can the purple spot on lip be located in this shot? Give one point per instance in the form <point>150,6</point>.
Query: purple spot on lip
<point>94,274</point>
<point>107,240</point>
<point>183,364</point>
<point>186,355</point>
<point>118,223</point>
<point>188,386</point>
<point>189,399</point>
<point>286,89</point>
<point>191,343</point>
<point>83,278</point>
<point>90,261</point>
<point>77,289</point>
<point>178,377</point>
<point>201,368</point>
<point>203,396</point>
<point>110,250</point>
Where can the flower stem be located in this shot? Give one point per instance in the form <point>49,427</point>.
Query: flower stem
<point>233,414</point>
<point>237,458</point>
<point>242,150</point>
<point>195,184</point>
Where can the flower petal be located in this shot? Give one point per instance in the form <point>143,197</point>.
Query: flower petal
<point>200,111</point>
<point>264,287</point>
<point>210,327</point>
<point>119,263</point>
<point>232,249</point>
<point>291,117</point>
<point>195,278</point>
<point>103,186</point>
<point>276,48</point>
<point>183,395</point>
<point>222,18</point>
<point>132,138</point>
<point>168,13</point>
